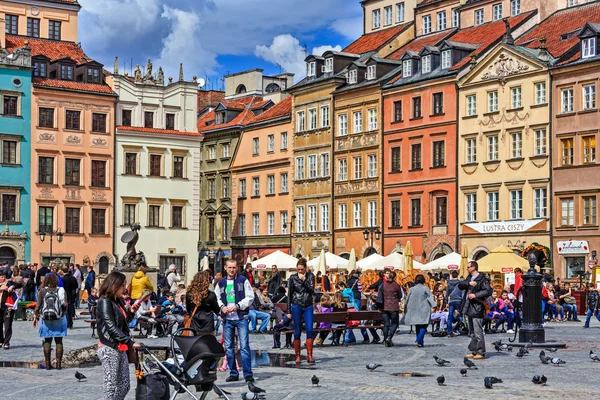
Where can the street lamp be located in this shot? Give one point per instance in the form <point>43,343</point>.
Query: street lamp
<point>291,224</point>
<point>372,232</point>
<point>51,233</point>
<point>532,329</point>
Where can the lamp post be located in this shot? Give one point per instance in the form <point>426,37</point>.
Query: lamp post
<point>532,329</point>
<point>291,224</point>
<point>51,234</point>
<point>372,232</point>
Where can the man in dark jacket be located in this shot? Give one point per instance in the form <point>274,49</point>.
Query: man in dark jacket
<point>593,305</point>
<point>453,297</point>
<point>90,280</point>
<point>248,274</point>
<point>477,290</point>
<point>41,272</point>
<point>274,282</point>
<point>70,285</point>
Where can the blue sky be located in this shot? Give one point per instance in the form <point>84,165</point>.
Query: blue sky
<point>214,37</point>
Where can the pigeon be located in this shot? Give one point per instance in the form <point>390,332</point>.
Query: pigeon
<point>552,349</point>
<point>220,392</point>
<point>489,381</point>
<point>315,380</point>
<point>252,396</point>
<point>441,380</point>
<point>502,347</point>
<point>543,357</point>
<point>79,376</point>
<point>372,367</point>
<point>529,345</point>
<point>556,361</point>
<point>524,350</point>
<point>594,356</point>
<point>463,372</point>
<point>469,363</point>
<point>440,361</point>
<point>255,389</point>
<point>539,380</point>
<point>497,343</point>
<point>520,354</point>
<point>495,380</point>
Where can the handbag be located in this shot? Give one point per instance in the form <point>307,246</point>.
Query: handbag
<point>132,355</point>
<point>570,300</point>
<point>153,387</point>
<point>187,322</point>
<point>353,323</point>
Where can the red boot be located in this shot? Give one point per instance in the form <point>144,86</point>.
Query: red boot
<point>309,351</point>
<point>297,351</point>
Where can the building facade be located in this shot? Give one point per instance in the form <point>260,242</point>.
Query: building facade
<point>254,83</point>
<point>382,14</point>
<point>479,12</point>
<point>15,150</point>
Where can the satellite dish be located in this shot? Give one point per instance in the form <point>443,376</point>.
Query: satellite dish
<point>201,82</point>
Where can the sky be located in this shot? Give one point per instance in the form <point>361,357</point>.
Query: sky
<point>215,37</point>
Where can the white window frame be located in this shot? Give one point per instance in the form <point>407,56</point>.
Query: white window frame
<point>325,120</point>
<point>255,224</point>
<point>300,168</point>
<point>589,96</point>
<point>342,169</point>
<point>255,186</point>
<point>566,100</point>
<point>568,218</point>
<point>406,68</point>
<point>357,118</point>
<point>540,138</point>
<point>242,188</point>
<point>299,219</point>
<point>426,24</point>
<point>270,223</point>
<point>372,166</point>
<point>515,7</point>
<point>324,170</point>
<point>312,166</point>
<point>284,140</point>
<point>516,145</point>
<point>255,146</point>
<point>270,143</point>
<point>324,217</point>
<point>540,93</point>
<point>446,59</point>
<point>497,12</point>
<point>372,213</point>
<point>516,204</point>
<point>387,16</point>
<point>588,47</point>
<point>300,121</point>
<point>311,68</point>
<point>376,18</point>
<point>270,184</point>
<point>470,151</point>
<point>284,182</point>
<point>493,101</point>
<point>515,95</point>
<point>357,215</point>
<point>479,18</point>
<point>372,113</point>
<point>211,153</point>
<point>540,202</point>
<point>493,206</point>
<point>400,9</point>
<point>312,218</point>
<point>226,150</point>
<point>342,216</point>
<point>352,74</point>
<point>329,64</point>
<point>441,21</point>
<point>426,64</point>
<point>455,18</point>
<point>343,125</point>
<point>242,224</point>
<point>357,167</point>
<point>492,148</point>
<point>371,72</point>
<point>312,119</point>
<point>471,207</point>
<point>471,105</point>
<point>283,218</point>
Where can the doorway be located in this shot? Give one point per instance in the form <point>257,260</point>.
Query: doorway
<point>7,255</point>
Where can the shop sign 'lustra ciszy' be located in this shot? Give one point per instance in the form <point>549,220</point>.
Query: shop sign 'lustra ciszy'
<point>504,226</point>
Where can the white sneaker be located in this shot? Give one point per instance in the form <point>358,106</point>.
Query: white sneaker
<point>510,331</point>
<point>152,337</point>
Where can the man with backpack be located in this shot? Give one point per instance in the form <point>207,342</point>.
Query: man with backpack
<point>453,297</point>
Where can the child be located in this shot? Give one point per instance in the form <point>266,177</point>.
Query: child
<point>324,307</point>
<point>506,308</point>
<point>91,303</point>
<point>339,305</point>
<point>172,312</point>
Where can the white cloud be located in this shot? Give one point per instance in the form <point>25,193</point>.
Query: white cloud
<point>319,50</point>
<point>285,51</point>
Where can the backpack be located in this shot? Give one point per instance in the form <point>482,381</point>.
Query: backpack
<point>51,310</point>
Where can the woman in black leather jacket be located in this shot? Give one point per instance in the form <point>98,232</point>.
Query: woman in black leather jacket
<point>114,336</point>
<point>300,304</point>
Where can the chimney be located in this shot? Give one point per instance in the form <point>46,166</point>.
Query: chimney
<point>116,67</point>
<point>508,38</point>
<point>181,73</point>
<point>543,54</point>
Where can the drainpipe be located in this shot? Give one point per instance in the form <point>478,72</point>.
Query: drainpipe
<point>551,165</point>
<point>457,137</point>
<point>114,251</point>
<point>332,169</point>
<point>382,163</point>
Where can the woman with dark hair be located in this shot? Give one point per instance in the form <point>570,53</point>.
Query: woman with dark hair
<point>51,305</point>
<point>115,340</point>
<point>202,304</point>
<point>417,308</point>
<point>300,301</point>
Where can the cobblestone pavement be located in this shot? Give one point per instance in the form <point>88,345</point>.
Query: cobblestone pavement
<point>342,369</point>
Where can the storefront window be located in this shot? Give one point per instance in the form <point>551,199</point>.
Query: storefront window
<point>575,264</point>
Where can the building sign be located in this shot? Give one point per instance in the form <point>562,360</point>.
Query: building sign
<point>504,226</point>
<point>453,267</point>
<point>573,247</point>
<point>506,270</point>
<point>591,264</point>
<point>261,266</point>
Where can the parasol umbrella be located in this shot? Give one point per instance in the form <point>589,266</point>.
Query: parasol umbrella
<point>502,260</point>
<point>394,261</point>
<point>365,262</point>
<point>204,264</point>
<point>248,260</point>
<point>449,262</point>
<point>464,260</point>
<point>332,261</point>
<point>322,263</point>
<point>352,261</point>
<point>282,260</point>
<point>408,253</point>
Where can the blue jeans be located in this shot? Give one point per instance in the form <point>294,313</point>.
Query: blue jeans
<point>264,317</point>
<point>452,306</point>
<point>229,327</point>
<point>589,316</point>
<point>217,323</point>
<point>306,313</point>
<point>421,330</point>
<point>572,310</point>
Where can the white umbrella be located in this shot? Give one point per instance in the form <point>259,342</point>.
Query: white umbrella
<point>332,261</point>
<point>365,262</point>
<point>450,262</point>
<point>352,261</point>
<point>322,263</point>
<point>248,260</point>
<point>204,263</point>
<point>395,261</point>
<point>282,260</point>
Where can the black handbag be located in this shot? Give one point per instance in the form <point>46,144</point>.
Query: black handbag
<point>379,300</point>
<point>153,387</point>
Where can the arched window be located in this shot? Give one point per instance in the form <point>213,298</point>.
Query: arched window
<point>7,255</point>
<point>272,88</point>
<point>240,89</point>
<point>103,265</point>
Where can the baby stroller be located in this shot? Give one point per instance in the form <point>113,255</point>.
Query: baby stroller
<point>195,360</point>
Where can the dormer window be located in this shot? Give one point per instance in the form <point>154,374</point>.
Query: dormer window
<point>588,47</point>
<point>407,68</point>
<point>446,59</point>
<point>371,72</point>
<point>352,76</point>
<point>66,72</point>
<point>40,69</point>
<point>426,64</point>
<point>311,68</point>
<point>329,64</point>
<point>93,75</point>
<point>219,118</point>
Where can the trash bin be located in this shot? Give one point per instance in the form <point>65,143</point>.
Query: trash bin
<point>581,301</point>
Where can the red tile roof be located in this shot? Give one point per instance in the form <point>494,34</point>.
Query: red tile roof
<point>560,23</point>
<point>54,50</point>
<point>419,43</point>
<point>73,86</point>
<point>280,110</point>
<point>206,123</point>
<point>373,41</point>
<point>153,130</point>
<point>260,104</point>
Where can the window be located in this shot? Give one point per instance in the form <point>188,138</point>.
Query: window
<point>99,123</point>
<point>455,18</point>
<point>311,68</point>
<point>342,169</point>
<point>515,97</point>
<point>343,124</point>
<point>284,183</point>
<point>46,218</point>
<point>178,166</point>
<point>129,214</point>
<point>441,214</point>
<point>352,76</point>
<point>492,148</point>
<point>40,69</point>
<point>148,119</point>
<point>395,156</point>
<point>255,146</point>
<point>211,189</point>
<point>541,142</point>
<point>72,170</point>
<point>515,7</point>
<point>540,199</point>
<point>372,166</point>
<point>588,47</point>
<point>439,154</point>
<point>93,76</point>
<point>154,215</point>
<point>324,217</point>
<point>343,216</point>
<point>98,173</point>
<point>99,221</point>
<point>242,188</point>
<point>324,116</point>
<point>33,27</point>
<point>312,119</point>
<point>388,15</point>
<point>426,24</point>
<point>415,208</point>
<point>9,208</point>
<point>126,117</point>
<point>242,224</point>
<point>493,206</point>
<point>312,218</point>
<point>357,122</point>
<point>416,107</point>
<point>10,107</point>
<point>407,68</point>
<point>471,105</point>
<point>446,59</point>
<point>300,219</point>
<point>396,213</point>
<point>219,118</point>
<point>312,166</point>
<point>479,16</point>
<point>398,111</point>
<point>589,149</point>
<point>471,150</point>
<point>589,97</point>
<point>357,167</point>
<point>66,72</point>
<point>441,21</point>
<point>589,210</point>
<point>400,12</point>
<point>170,121</point>
<point>270,143</point>
<point>567,151</point>
<point>11,24</point>
<point>299,167</point>
<point>438,103</point>
<point>54,30</point>
<point>301,121</point>
<point>567,212</point>
<point>131,163</point>
<point>284,141</point>
<point>426,64</point>
<point>516,204</point>
<point>211,229</point>
<point>471,207</point>
<point>155,164</point>
<point>225,228</point>
<point>497,11</point>
<point>9,152</point>
<point>357,215</point>
<point>415,160</point>
<point>225,182</point>
<point>540,93</point>
<point>492,101</point>
<point>372,213</point>
<point>372,119</point>
<point>567,100</point>
<point>270,223</point>
<point>283,216</point>
<point>255,186</point>
<point>516,145</point>
<point>72,220</point>
<point>211,152</point>
<point>324,165</point>
<point>371,72</point>
<point>72,120</point>
<point>271,184</point>
<point>329,64</point>
<point>376,18</point>
<point>255,224</point>
<point>571,3</point>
